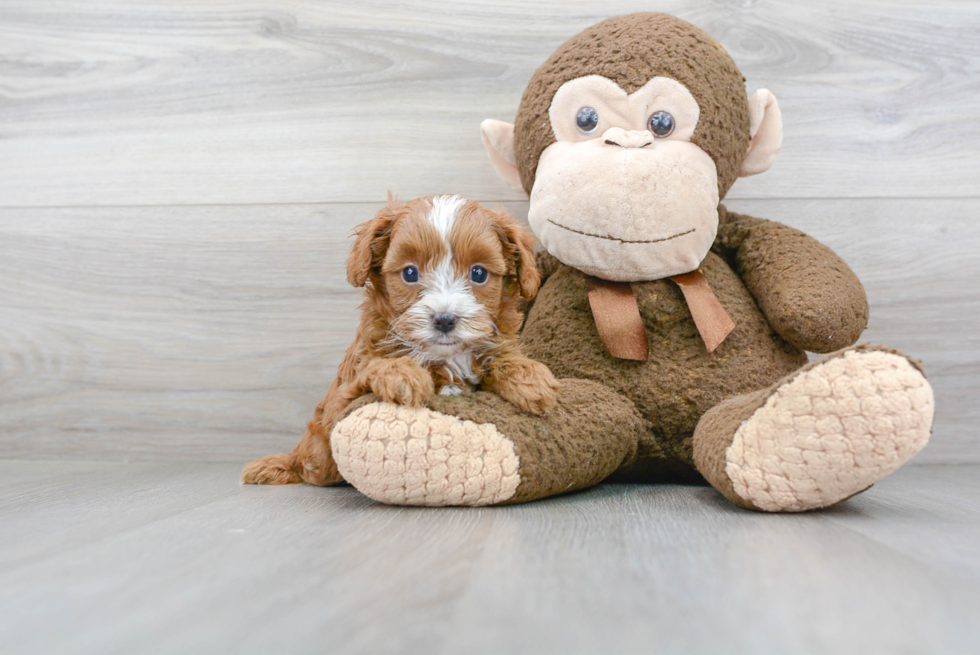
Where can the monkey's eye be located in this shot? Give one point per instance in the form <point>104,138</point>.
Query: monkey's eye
<point>479,275</point>
<point>661,124</point>
<point>410,274</point>
<point>587,119</point>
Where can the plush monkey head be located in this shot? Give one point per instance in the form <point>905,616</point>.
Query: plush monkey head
<point>626,139</point>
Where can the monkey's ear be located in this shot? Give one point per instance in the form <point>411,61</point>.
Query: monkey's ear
<point>498,139</point>
<point>766,128</point>
<point>371,244</point>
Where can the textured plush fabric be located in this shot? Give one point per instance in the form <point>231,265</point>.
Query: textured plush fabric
<point>681,380</point>
<point>590,197</point>
<point>415,456</point>
<point>714,434</point>
<point>461,450</point>
<point>630,50</point>
<point>644,209</point>
<point>820,435</point>
<point>810,296</point>
<point>767,133</point>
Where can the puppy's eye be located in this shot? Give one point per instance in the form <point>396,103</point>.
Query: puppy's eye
<point>661,124</point>
<point>587,119</point>
<point>410,274</point>
<point>479,275</point>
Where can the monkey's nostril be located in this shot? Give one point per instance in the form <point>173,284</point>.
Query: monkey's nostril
<point>610,142</point>
<point>445,323</point>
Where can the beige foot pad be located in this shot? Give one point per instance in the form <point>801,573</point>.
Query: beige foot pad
<point>405,456</point>
<point>830,432</point>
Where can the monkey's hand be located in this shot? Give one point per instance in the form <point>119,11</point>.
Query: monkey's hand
<point>522,382</point>
<point>810,296</point>
<point>399,380</point>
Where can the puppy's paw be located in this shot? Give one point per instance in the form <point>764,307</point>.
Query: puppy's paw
<point>400,381</point>
<point>272,469</point>
<point>530,386</point>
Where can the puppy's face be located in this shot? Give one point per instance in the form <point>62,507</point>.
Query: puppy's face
<point>444,267</point>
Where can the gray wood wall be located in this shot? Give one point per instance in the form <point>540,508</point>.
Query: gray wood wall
<point>178,180</point>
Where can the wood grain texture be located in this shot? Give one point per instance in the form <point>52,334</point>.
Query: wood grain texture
<point>123,558</point>
<point>135,103</point>
<point>212,332</point>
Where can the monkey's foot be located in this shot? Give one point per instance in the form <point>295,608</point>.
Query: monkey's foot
<point>479,449</point>
<point>820,435</point>
<point>407,456</point>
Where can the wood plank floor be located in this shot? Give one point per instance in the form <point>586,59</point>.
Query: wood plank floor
<point>175,557</point>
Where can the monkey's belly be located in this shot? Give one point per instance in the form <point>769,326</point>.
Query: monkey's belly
<point>681,380</point>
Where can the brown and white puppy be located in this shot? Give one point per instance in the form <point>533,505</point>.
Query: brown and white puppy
<point>442,277</point>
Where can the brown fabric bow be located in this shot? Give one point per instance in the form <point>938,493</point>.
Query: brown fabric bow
<point>617,315</point>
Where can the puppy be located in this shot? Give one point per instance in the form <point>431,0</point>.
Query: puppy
<point>443,277</point>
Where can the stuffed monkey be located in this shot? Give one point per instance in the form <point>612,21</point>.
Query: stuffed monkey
<point>679,329</point>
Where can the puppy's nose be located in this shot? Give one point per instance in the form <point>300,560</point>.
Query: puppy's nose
<point>445,323</point>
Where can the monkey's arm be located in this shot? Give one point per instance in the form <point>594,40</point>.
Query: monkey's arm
<point>810,296</point>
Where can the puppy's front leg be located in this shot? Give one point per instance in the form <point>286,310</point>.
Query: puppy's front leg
<point>399,380</point>
<point>521,381</point>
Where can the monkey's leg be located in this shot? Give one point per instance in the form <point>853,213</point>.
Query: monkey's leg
<point>478,449</point>
<point>819,435</point>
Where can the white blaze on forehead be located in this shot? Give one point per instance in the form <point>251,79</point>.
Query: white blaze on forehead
<point>443,290</point>
<point>443,213</point>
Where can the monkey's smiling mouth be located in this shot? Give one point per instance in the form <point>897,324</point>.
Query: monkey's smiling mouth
<point>611,238</point>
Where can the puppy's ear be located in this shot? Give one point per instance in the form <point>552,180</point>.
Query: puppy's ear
<point>518,246</point>
<point>371,244</point>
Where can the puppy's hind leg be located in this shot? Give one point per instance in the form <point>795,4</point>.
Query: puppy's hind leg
<point>311,461</point>
<point>314,460</point>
